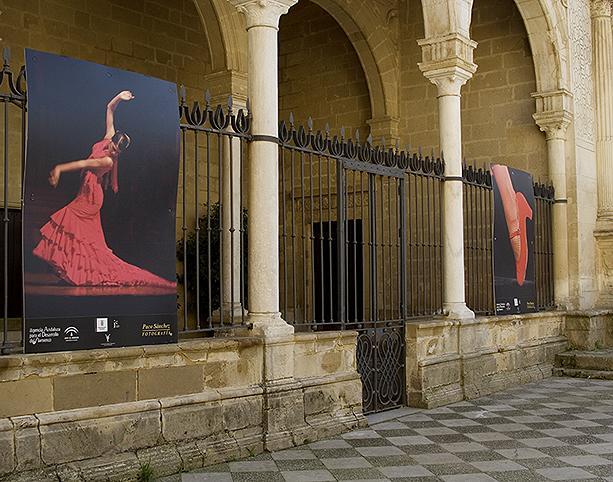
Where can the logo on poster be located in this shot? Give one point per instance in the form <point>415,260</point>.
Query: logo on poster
<point>102,325</point>
<point>71,334</point>
<point>108,342</point>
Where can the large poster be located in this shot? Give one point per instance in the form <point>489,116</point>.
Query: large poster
<point>514,208</point>
<point>100,199</point>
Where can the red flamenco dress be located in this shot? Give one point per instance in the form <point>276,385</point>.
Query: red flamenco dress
<point>73,241</point>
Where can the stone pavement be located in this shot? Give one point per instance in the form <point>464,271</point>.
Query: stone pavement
<point>555,429</point>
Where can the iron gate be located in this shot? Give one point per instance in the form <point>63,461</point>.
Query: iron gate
<point>343,247</point>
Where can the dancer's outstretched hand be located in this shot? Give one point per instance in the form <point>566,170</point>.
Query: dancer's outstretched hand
<point>125,95</point>
<point>54,176</point>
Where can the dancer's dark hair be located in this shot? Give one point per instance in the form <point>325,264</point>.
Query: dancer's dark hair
<point>121,140</point>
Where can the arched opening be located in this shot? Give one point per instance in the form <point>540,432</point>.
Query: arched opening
<point>497,107</point>
<point>320,74</point>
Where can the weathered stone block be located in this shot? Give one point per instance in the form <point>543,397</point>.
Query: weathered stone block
<point>242,413</point>
<point>169,381</point>
<point>7,447</point>
<point>163,460</point>
<point>189,421</point>
<point>27,443</point>
<point>95,389</point>
<point>25,397</point>
<point>63,442</point>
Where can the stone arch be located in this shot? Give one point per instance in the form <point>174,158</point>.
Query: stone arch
<point>548,36</point>
<point>375,50</point>
<point>227,37</point>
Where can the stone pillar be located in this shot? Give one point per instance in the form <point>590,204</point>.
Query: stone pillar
<point>602,41</point>
<point>602,38</point>
<point>553,116</point>
<point>283,400</point>
<point>447,63</point>
<point>223,85</point>
<point>262,18</point>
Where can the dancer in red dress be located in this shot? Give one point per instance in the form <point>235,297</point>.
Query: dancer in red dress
<point>73,242</point>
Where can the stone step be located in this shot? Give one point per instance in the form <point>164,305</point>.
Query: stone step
<point>598,360</point>
<point>575,373</point>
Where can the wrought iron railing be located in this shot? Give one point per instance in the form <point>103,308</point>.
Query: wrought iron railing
<point>14,112</point>
<point>383,204</point>
<point>478,239</point>
<point>543,246</point>
<point>213,245</point>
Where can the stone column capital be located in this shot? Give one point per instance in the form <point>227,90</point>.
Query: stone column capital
<point>448,62</point>
<point>553,113</point>
<point>601,8</point>
<point>449,80</point>
<point>263,13</point>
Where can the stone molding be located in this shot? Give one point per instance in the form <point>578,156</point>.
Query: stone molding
<point>600,8</point>
<point>448,62</point>
<point>263,13</point>
<point>553,113</point>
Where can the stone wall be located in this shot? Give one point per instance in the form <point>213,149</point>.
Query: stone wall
<point>102,414</point>
<point>320,73</point>
<point>591,330</point>
<point>449,361</point>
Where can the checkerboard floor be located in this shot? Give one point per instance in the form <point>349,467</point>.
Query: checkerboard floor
<point>555,429</point>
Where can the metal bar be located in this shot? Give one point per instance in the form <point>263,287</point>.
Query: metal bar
<point>293,205</point>
<point>341,233</point>
<point>5,221</point>
<point>372,211</point>
<point>285,277</point>
<point>232,228</point>
<point>197,210</point>
<point>403,235</point>
<point>338,221</point>
<point>209,230</point>
<point>184,230</point>
<point>220,227</point>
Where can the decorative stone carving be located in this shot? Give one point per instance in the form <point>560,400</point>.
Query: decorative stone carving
<point>601,8</point>
<point>263,13</point>
<point>553,113</point>
<point>581,53</point>
<point>448,62</point>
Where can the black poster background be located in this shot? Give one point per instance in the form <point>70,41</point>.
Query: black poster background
<point>510,297</point>
<point>67,101</point>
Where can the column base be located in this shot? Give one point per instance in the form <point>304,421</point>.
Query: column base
<point>458,311</point>
<point>604,241</point>
<point>235,313</point>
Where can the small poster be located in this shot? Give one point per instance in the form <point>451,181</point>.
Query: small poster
<point>514,210</point>
<point>99,215</point>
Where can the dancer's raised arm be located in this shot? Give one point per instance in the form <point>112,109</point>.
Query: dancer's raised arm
<point>57,171</point>
<point>110,111</point>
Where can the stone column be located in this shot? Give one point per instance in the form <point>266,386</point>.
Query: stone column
<point>262,18</point>
<point>447,63</point>
<point>553,116</point>
<point>283,408</point>
<point>602,38</point>
<point>602,41</point>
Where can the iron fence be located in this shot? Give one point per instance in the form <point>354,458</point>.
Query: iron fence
<point>478,200</point>
<point>212,250</point>
<point>358,223</point>
<point>14,112</point>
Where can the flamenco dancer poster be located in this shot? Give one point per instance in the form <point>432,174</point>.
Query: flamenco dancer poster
<point>514,209</point>
<point>100,199</point>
